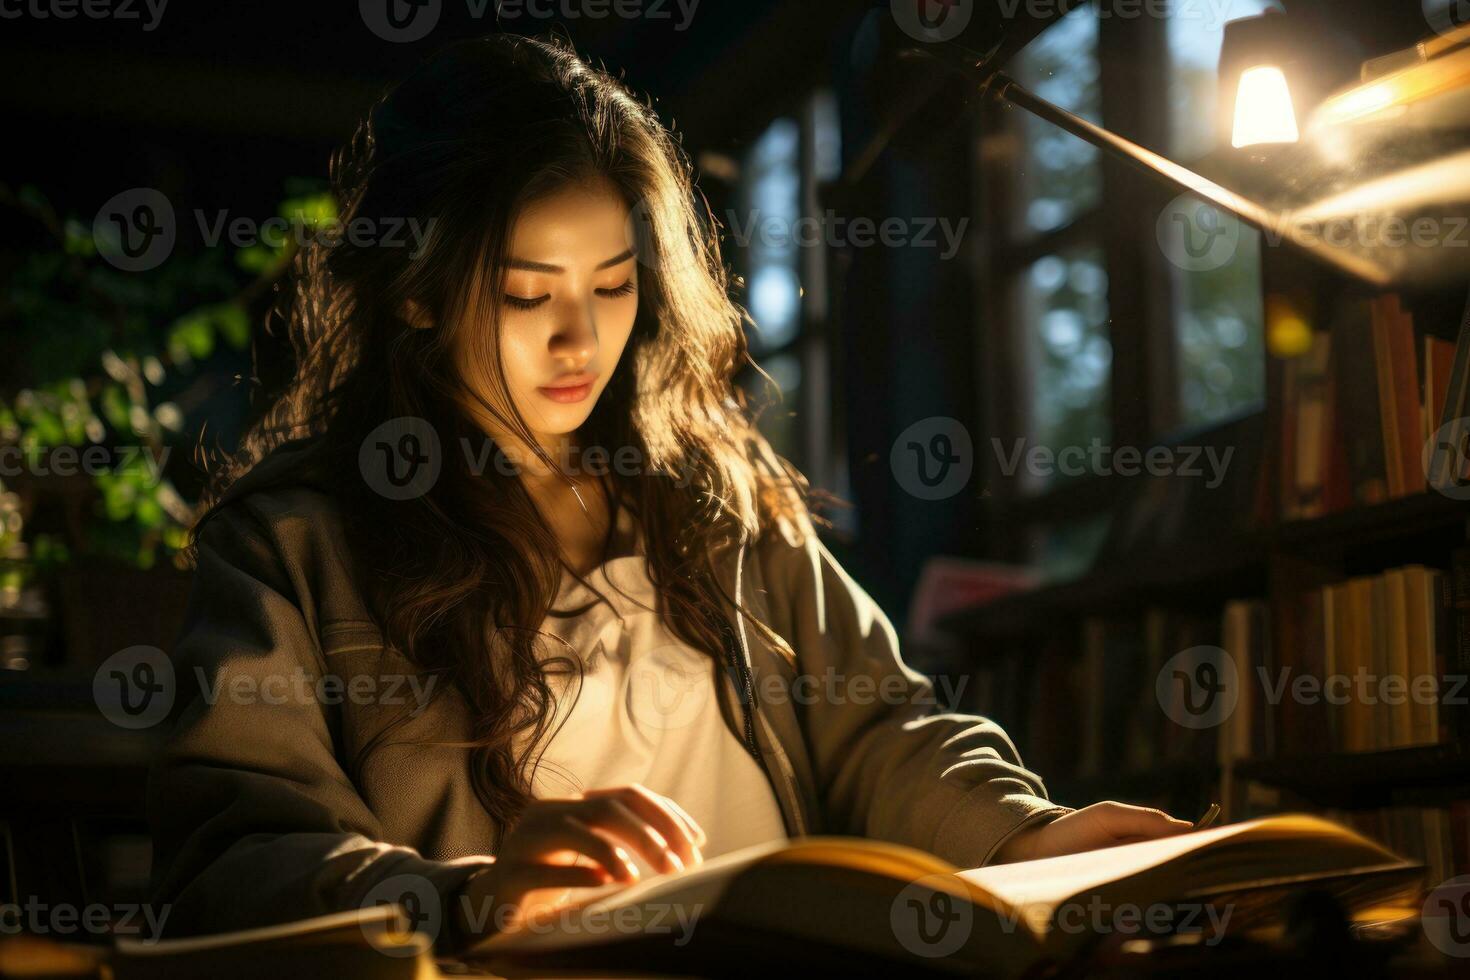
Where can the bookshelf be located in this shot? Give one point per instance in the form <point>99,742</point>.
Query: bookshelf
<point>1408,525</point>
<point>1274,550</point>
<point>1417,776</point>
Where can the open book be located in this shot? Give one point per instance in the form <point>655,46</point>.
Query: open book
<point>824,901</point>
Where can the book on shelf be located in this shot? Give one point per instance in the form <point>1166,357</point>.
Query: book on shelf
<point>1358,407</point>
<point>1364,664</point>
<point>948,584</point>
<point>1450,460</point>
<point>1454,643</point>
<point>825,902</point>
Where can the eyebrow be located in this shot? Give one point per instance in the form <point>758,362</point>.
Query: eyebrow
<point>530,266</point>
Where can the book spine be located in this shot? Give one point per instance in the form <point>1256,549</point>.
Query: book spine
<point>1438,659</point>
<point>1387,409</point>
<point>1357,402</point>
<point>1408,397</point>
<point>1458,592</point>
<point>1456,408</point>
<point>1380,715</point>
<point>1310,724</point>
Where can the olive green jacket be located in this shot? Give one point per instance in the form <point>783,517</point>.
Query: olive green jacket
<point>282,677</point>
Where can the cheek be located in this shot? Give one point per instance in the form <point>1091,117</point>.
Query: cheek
<point>518,358</point>
<point>476,367</point>
<point>622,327</point>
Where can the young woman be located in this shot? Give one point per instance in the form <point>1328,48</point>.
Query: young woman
<point>505,595</point>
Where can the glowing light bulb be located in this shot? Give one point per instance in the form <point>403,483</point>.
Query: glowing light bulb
<point>1263,109</point>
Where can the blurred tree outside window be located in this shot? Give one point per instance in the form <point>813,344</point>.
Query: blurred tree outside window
<point>1060,299</point>
<point>778,246</point>
<point>1058,178</point>
<point>1219,321</point>
<point>1058,296</point>
<point>1064,303</point>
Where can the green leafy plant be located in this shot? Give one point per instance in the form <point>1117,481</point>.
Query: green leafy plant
<point>115,360</point>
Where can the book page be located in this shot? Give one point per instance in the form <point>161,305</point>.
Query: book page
<point>1038,887</point>
<point>700,890</point>
<point>699,887</point>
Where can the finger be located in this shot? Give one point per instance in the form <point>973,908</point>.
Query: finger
<point>657,812</point>
<point>1121,820</point>
<point>700,837</point>
<point>617,818</point>
<point>571,834</point>
<point>655,805</point>
<point>689,828</point>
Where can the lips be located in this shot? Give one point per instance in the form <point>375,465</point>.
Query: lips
<point>572,388</point>
<point>571,381</point>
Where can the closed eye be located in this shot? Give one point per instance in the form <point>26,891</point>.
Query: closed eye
<point>622,290</point>
<point>523,303</point>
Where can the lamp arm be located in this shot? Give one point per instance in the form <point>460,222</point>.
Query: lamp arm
<point>1006,89</point>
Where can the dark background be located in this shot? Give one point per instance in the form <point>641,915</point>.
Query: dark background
<point>224,102</point>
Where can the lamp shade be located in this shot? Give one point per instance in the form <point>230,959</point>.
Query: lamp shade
<point>1264,112</point>
<point>1261,80</point>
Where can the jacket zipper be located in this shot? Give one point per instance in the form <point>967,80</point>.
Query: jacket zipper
<point>745,683</point>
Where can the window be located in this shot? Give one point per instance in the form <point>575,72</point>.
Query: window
<point>1218,316</point>
<point>1051,259</point>
<point>771,207</point>
<point>1059,177</point>
<point>779,252</point>
<point>1064,293</point>
<point>1064,301</point>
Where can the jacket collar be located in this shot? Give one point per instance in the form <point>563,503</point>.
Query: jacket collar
<point>285,464</point>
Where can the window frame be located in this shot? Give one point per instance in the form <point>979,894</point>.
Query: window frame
<point>819,451</point>
<point>1144,401</point>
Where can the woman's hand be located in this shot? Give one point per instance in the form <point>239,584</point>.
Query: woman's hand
<point>584,842</point>
<point>1099,825</point>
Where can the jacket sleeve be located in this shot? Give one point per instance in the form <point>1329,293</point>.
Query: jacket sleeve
<point>888,764</point>
<point>254,819</point>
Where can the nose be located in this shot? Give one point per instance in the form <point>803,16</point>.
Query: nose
<point>574,339</point>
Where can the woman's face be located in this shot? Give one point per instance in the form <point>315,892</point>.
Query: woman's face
<point>570,298</point>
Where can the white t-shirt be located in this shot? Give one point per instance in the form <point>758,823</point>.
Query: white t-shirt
<point>646,711</point>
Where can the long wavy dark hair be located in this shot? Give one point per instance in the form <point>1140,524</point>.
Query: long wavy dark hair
<point>460,578</point>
